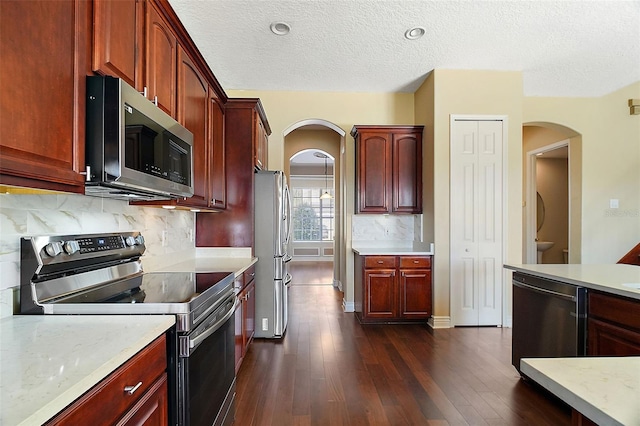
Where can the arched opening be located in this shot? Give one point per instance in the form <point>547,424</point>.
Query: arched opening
<point>552,220</point>
<point>313,154</point>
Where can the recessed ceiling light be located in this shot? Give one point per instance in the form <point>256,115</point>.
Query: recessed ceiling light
<point>280,28</point>
<point>414,33</point>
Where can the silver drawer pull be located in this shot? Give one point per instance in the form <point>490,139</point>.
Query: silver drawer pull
<point>416,261</point>
<point>380,262</point>
<point>131,389</point>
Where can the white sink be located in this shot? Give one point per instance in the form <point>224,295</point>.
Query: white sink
<point>543,246</point>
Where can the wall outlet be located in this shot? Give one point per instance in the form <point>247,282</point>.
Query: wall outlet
<point>165,238</point>
<point>614,203</point>
<point>265,324</point>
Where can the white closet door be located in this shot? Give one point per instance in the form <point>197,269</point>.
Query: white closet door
<point>476,222</point>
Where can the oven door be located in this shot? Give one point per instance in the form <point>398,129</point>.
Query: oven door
<point>206,370</point>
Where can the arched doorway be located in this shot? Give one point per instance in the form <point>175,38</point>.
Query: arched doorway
<point>302,140</point>
<point>552,163</point>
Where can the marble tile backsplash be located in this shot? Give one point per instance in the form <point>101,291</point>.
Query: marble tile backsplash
<point>24,215</point>
<point>385,228</point>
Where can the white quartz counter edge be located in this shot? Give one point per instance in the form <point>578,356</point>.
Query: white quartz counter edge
<point>608,278</point>
<point>237,265</point>
<point>606,390</point>
<point>48,361</point>
<point>212,264</point>
<point>377,251</point>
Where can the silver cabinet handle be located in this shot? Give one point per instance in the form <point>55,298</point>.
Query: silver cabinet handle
<point>131,389</point>
<point>155,100</point>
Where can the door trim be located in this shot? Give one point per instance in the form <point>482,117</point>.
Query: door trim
<point>506,314</point>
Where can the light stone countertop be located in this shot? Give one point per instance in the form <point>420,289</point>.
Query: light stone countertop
<point>606,390</point>
<point>381,249</point>
<point>206,260</point>
<point>620,279</point>
<point>48,361</point>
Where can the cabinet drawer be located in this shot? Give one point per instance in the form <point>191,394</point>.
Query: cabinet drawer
<point>379,262</point>
<point>108,400</point>
<point>415,262</point>
<point>615,309</point>
<point>249,274</point>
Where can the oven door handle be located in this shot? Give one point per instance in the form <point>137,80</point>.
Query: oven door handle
<point>195,342</point>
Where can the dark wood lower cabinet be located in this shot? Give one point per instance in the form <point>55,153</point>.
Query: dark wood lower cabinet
<point>393,288</point>
<point>613,325</point>
<point>245,315</point>
<point>109,403</point>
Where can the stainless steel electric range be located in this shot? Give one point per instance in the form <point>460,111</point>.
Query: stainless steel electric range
<point>101,274</point>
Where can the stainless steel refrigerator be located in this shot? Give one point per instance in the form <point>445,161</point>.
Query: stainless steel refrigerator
<point>272,233</point>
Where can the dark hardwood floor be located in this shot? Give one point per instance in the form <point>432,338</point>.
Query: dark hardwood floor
<point>311,273</point>
<point>330,370</point>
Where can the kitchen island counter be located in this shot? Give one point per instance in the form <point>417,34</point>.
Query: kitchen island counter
<point>619,279</point>
<point>605,390</point>
<point>48,361</point>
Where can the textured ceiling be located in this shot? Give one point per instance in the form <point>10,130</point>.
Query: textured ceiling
<point>563,48</point>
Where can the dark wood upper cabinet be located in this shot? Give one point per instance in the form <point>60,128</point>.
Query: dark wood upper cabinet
<point>117,39</point>
<point>217,168</point>
<point>192,113</point>
<point>161,61</point>
<point>389,169</point>
<point>234,227</point>
<point>42,107</point>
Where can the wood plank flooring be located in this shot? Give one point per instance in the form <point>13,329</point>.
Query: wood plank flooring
<point>311,273</point>
<point>330,370</point>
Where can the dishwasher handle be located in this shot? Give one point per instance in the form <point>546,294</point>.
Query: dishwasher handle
<point>544,291</point>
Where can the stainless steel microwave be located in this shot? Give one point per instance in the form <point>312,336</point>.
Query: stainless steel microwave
<point>134,150</point>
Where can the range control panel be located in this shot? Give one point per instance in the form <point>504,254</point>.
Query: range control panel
<point>72,248</point>
<point>91,244</point>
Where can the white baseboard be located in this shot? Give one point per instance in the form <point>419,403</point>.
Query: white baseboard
<point>348,306</point>
<point>439,322</point>
<point>337,284</point>
<point>508,322</point>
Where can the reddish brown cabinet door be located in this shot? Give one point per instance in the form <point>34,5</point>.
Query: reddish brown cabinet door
<point>249,314</point>
<point>374,173</point>
<point>407,172</point>
<point>380,294</point>
<point>415,293</point>
<point>261,142</point>
<point>117,39</point>
<point>217,168</point>
<point>42,106</point>
<point>193,102</point>
<point>161,59</point>
<point>239,331</point>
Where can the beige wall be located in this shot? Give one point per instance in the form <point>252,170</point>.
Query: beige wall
<point>447,92</point>
<point>285,109</point>
<point>610,161</point>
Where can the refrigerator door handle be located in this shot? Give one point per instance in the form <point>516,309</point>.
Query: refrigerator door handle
<point>287,280</point>
<point>288,214</point>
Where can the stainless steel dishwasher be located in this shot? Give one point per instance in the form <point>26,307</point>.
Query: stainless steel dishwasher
<point>549,319</point>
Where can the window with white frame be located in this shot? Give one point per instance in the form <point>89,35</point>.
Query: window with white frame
<point>313,217</point>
